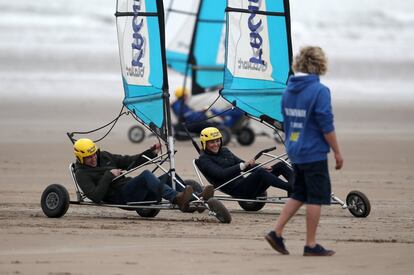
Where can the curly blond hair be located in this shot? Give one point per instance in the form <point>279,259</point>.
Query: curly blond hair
<point>310,60</point>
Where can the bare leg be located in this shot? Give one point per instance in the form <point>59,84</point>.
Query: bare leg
<point>313,213</point>
<point>288,211</point>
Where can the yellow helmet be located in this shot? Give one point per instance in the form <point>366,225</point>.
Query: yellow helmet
<point>181,91</point>
<point>84,147</point>
<point>209,133</point>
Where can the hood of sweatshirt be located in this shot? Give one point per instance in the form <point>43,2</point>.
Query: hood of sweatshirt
<point>296,84</point>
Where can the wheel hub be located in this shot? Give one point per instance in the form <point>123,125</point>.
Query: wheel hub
<point>52,200</point>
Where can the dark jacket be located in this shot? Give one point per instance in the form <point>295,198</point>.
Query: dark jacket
<point>221,167</point>
<point>96,182</point>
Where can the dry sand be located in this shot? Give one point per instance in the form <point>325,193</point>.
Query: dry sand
<point>377,143</point>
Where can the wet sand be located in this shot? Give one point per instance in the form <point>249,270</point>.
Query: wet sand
<point>377,144</point>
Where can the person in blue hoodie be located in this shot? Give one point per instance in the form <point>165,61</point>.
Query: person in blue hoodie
<point>310,134</point>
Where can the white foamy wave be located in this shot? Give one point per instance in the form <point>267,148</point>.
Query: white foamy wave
<point>355,29</point>
<point>59,47</point>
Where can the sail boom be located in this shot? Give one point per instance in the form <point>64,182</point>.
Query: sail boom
<point>208,68</point>
<point>269,13</point>
<point>120,14</point>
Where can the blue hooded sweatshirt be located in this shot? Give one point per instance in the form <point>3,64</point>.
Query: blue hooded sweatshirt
<point>307,113</point>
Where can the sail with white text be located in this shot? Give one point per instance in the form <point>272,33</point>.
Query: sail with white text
<point>258,56</point>
<point>141,49</point>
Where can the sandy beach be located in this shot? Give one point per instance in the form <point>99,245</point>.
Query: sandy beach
<point>376,140</point>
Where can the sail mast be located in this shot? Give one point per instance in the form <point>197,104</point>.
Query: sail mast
<point>166,95</point>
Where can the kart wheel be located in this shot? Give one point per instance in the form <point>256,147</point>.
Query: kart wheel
<point>253,206</point>
<point>245,136</point>
<point>196,186</point>
<point>55,201</point>
<point>358,204</point>
<point>225,133</point>
<point>136,134</point>
<point>148,212</point>
<point>218,209</point>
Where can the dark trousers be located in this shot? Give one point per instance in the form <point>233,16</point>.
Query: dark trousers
<point>146,187</point>
<point>260,180</point>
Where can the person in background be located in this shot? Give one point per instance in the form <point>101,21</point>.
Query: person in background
<point>310,134</point>
<point>195,120</point>
<point>198,120</point>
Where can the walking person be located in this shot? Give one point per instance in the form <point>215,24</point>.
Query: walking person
<point>310,134</point>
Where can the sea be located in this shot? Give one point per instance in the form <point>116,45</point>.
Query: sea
<point>68,48</point>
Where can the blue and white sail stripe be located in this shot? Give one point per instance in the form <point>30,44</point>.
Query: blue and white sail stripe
<point>141,59</point>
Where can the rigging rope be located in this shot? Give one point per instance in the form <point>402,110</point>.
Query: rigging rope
<point>113,122</point>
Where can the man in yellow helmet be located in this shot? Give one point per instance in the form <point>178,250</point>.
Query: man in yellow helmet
<point>195,120</point>
<point>198,120</point>
<point>219,165</point>
<point>95,172</point>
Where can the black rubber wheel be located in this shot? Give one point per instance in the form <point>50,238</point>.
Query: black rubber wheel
<point>225,133</point>
<point>253,206</point>
<point>148,212</point>
<point>136,134</point>
<point>219,210</point>
<point>358,204</point>
<point>245,136</point>
<point>55,201</point>
<point>196,186</point>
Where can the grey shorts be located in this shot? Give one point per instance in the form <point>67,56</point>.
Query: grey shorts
<point>311,183</point>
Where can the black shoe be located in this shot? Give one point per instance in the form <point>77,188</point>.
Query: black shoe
<point>318,250</point>
<point>276,242</point>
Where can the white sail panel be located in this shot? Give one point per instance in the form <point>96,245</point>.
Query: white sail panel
<point>248,42</point>
<point>222,49</point>
<point>135,60</point>
<point>180,25</point>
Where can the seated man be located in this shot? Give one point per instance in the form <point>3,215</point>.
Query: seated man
<point>219,165</point>
<point>231,117</point>
<point>195,120</point>
<point>95,172</point>
<point>198,120</point>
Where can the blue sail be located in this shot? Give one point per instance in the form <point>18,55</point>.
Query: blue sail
<point>140,52</point>
<point>258,56</point>
<point>209,40</point>
<point>197,46</point>
<point>180,23</point>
